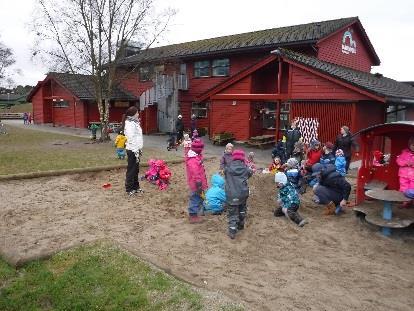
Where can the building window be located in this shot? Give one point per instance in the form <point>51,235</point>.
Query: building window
<point>200,110</point>
<point>221,67</point>
<point>396,113</point>
<point>145,74</point>
<point>61,104</point>
<point>269,115</point>
<point>284,116</point>
<point>202,69</point>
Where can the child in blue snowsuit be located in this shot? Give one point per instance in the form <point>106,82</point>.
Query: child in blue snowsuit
<point>340,162</point>
<point>215,195</point>
<point>288,199</point>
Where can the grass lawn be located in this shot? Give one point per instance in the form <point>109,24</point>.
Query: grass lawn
<point>27,107</point>
<point>25,150</point>
<point>94,277</point>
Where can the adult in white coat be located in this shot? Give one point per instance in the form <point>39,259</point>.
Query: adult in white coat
<point>134,144</point>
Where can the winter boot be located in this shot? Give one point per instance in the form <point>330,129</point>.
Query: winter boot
<point>302,223</point>
<point>240,226</point>
<point>195,219</point>
<point>232,234</point>
<point>329,209</point>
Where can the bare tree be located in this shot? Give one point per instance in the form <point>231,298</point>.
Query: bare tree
<point>6,60</point>
<point>90,37</point>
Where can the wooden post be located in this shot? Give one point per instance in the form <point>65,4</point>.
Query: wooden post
<point>279,77</point>
<point>277,116</point>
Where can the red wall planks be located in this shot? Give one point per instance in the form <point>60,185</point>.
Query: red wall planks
<point>226,117</point>
<point>305,85</point>
<point>331,116</point>
<point>149,122</point>
<point>330,50</point>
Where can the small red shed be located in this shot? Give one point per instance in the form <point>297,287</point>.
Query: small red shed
<point>65,99</point>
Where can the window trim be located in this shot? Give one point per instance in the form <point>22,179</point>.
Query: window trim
<point>197,68</point>
<point>149,73</point>
<point>196,109</point>
<point>221,66</point>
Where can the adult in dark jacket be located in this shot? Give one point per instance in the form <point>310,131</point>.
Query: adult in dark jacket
<point>332,186</point>
<point>279,151</point>
<point>237,191</point>
<point>292,136</point>
<point>179,127</point>
<point>345,142</point>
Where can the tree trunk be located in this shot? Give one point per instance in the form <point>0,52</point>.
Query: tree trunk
<point>105,121</point>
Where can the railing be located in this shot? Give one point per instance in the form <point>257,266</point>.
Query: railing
<point>164,86</point>
<point>11,115</point>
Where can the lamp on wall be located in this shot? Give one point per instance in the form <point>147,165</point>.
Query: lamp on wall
<point>234,103</point>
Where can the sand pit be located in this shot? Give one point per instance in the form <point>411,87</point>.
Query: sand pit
<point>333,263</point>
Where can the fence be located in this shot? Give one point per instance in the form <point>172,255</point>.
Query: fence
<point>11,115</point>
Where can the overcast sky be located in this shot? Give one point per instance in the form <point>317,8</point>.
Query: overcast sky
<point>389,25</point>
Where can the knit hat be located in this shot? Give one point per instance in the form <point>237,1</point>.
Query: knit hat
<point>180,116</point>
<point>229,145</point>
<point>292,163</point>
<point>314,143</point>
<point>281,178</point>
<point>197,145</point>
<point>316,169</point>
<point>329,145</point>
<point>339,153</point>
<point>238,154</point>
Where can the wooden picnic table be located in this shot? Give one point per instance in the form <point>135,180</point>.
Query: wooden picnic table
<point>388,197</point>
<point>261,141</point>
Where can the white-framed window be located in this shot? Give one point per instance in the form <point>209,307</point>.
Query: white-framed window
<point>202,69</point>
<point>145,73</point>
<point>269,115</point>
<point>200,110</point>
<point>61,104</point>
<point>284,116</point>
<point>221,67</point>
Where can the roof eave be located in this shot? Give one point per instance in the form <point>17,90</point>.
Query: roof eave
<point>400,100</point>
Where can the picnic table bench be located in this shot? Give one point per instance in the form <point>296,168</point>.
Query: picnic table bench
<point>222,138</point>
<point>262,141</point>
<point>386,221</point>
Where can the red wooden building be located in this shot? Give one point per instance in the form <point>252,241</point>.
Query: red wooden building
<point>255,83</point>
<point>64,99</point>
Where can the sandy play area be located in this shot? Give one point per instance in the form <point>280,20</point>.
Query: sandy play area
<point>333,263</point>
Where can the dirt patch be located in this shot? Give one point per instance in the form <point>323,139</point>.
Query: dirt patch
<point>333,263</point>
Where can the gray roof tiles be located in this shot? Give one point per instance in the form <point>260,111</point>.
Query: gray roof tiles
<point>257,39</point>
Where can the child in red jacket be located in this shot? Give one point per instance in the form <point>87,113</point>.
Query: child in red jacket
<point>314,154</point>
<point>196,179</point>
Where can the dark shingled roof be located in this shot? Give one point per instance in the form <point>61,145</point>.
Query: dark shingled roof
<point>373,83</point>
<point>82,86</point>
<point>268,38</point>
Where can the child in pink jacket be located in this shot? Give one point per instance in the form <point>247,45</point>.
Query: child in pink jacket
<point>196,179</point>
<point>406,172</point>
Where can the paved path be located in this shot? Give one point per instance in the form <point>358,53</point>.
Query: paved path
<point>152,141</point>
<point>262,157</point>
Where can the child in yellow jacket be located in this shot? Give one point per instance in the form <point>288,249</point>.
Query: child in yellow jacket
<point>120,141</point>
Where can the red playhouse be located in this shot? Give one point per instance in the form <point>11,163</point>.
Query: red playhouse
<point>378,175</point>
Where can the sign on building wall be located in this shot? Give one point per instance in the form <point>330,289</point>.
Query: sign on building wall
<point>348,44</point>
<point>121,104</point>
